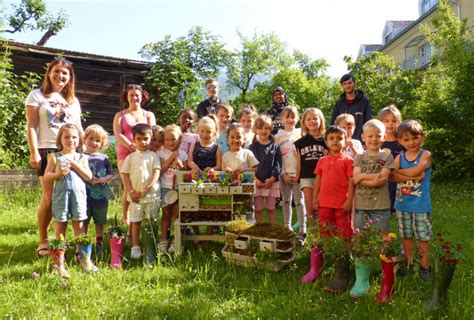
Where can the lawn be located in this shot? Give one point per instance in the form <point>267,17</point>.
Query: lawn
<point>200,284</point>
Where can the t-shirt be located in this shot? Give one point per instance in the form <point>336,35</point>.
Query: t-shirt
<point>310,149</point>
<point>357,146</point>
<point>166,178</point>
<point>248,139</point>
<point>54,112</point>
<point>222,141</point>
<point>286,141</point>
<point>373,198</point>
<point>269,157</point>
<point>335,172</point>
<point>140,166</point>
<point>187,140</point>
<point>97,194</point>
<point>244,158</point>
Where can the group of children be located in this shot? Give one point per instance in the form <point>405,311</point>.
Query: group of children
<point>323,171</point>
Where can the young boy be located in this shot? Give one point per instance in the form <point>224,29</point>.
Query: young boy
<point>97,188</point>
<point>413,200</point>
<point>332,197</point>
<point>353,147</point>
<point>371,172</point>
<point>224,114</point>
<point>141,171</point>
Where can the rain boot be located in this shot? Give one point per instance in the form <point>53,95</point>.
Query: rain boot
<point>340,281</point>
<point>149,236</point>
<point>57,257</point>
<point>362,283</point>
<point>316,260</point>
<point>116,248</point>
<point>388,280</point>
<point>85,262</point>
<point>442,279</point>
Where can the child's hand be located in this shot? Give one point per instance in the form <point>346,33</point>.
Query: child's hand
<point>286,178</point>
<point>315,204</point>
<point>420,177</point>
<point>178,164</point>
<point>101,181</point>
<point>64,168</point>
<point>347,207</point>
<point>125,221</point>
<point>228,169</point>
<point>131,147</point>
<point>258,183</point>
<point>269,182</point>
<point>195,170</point>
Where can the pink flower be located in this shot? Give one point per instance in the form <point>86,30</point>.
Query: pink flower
<point>35,275</point>
<point>64,284</point>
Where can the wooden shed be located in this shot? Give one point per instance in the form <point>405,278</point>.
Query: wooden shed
<point>99,79</point>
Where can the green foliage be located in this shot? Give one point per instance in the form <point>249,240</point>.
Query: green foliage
<point>384,82</point>
<point>180,66</point>
<point>260,56</point>
<point>446,99</point>
<point>111,153</point>
<point>13,91</point>
<point>33,15</point>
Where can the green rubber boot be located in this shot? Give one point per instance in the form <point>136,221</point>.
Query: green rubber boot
<point>149,233</point>
<point>362,283</point>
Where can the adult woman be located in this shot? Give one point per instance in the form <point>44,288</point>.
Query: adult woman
<point>124,121</point>
<point>47,110</point>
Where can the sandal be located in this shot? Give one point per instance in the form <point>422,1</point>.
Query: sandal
<point>42,250</point>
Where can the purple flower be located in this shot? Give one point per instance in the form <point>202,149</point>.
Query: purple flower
<point>35,275</point>
<point>64,284</point>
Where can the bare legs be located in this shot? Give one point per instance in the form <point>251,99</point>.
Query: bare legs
<point>44,211</point>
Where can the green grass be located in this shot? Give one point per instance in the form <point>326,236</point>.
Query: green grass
<point>200,284</point>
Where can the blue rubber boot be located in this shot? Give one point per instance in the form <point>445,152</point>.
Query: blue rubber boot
<point>362,283</point>
<point>85,258</point>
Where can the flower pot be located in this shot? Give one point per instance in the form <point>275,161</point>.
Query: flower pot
<point>443,274</point>
<point>116,248</point>
<point>362,283</point>
<point>388,280</point>
<point>149,234</point>
<point>57,258</point>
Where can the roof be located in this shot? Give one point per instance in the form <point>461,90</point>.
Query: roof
<point>33,48</point>
<point>401,23</point>
<point>371,47</point>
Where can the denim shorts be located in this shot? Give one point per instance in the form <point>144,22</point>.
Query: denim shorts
<point>306,183</point>
<point>381,218</point>
<point>69,205</point>
<point>418,223</point>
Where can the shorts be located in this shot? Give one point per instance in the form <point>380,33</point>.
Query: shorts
<point>380,218</point>
<point>334,222</point>
<point>418,223</point>
<point>307,183</point>
<point>99,214</point>
<point>164,191</point>
<point>44,159</point>
<point>269,201</point>
<point>69,205</point>
<point>138,211</point>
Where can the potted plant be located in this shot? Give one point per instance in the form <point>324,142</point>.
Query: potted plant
<point>117,234</point>
<point>316,255</point>
<point>388,259</point>
<point>84,245</point>
<point>446,256</point>
<point>57,248</point>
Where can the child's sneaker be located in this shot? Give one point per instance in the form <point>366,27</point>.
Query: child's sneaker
<point>301,238</point>
<point>425,273</point>
<point>135,252</point>
<point>163,246</point>
<point>171,249</point>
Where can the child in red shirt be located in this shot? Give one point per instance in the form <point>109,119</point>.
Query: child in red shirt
<point>332,197</point>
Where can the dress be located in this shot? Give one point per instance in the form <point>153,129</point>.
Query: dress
<point>310,149</point>
<point>269,157</point>
<point>243,158</point>
<point>205,157</point>
<point>126,128</point>
<point>187,140</point>
<point>167,177</point>
<point>412,195</point>
<point>360,108</point>
<point>69,193</point>
<point>286,141</point>
<point>54,112</point>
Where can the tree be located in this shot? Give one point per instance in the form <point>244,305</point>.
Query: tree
<point>260,56</point>
<point>180,66</point>
<point>383,81</point>
<point>33,15</point>
<point>445,99</point>
<point>311,68</point>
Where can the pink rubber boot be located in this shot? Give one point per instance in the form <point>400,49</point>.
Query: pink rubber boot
<point>316,259</point>
<point>116,247</point>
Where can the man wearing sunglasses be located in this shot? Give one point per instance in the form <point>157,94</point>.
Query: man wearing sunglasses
<point>208,106</point>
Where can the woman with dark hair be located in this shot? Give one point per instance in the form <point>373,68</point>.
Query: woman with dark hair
<point>279,101</point>
<point>47,110</point>
<point>136,97</point>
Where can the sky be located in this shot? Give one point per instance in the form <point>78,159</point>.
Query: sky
<point>329,29</point>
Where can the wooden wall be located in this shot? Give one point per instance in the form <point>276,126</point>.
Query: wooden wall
<point>99,81</point>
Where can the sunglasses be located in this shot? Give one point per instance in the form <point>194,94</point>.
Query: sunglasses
<point>65,61</point>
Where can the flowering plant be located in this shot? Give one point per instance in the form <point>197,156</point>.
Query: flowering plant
<point>367,243</point>
<point>328,240</point>
<point>447,253</point>
<point>57,243</point>
<point>390,248</point>
<point>116,230</point>
<point>84,239</point>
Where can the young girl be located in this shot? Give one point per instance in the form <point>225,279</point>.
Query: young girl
<point>205,154</point>
<point>310,148</point>
<point>186,119</point>
<point>69,170</point>
<point>238,159</point>
<point>289,187</point>
<point>172,158</point>
<point>98,190</point>
<point>353,147</point>
<point>268,154</point>
<point>247,116</point>
<point>391,118</point>
<point>156,142</point>
<point>224,114</point>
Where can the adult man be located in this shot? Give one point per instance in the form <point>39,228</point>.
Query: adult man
<point>279,101</point>
<point>208,106</point>
<point>354,102</point>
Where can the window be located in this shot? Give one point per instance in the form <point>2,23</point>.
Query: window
<point>425,54</point>
<point>427,5</point>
